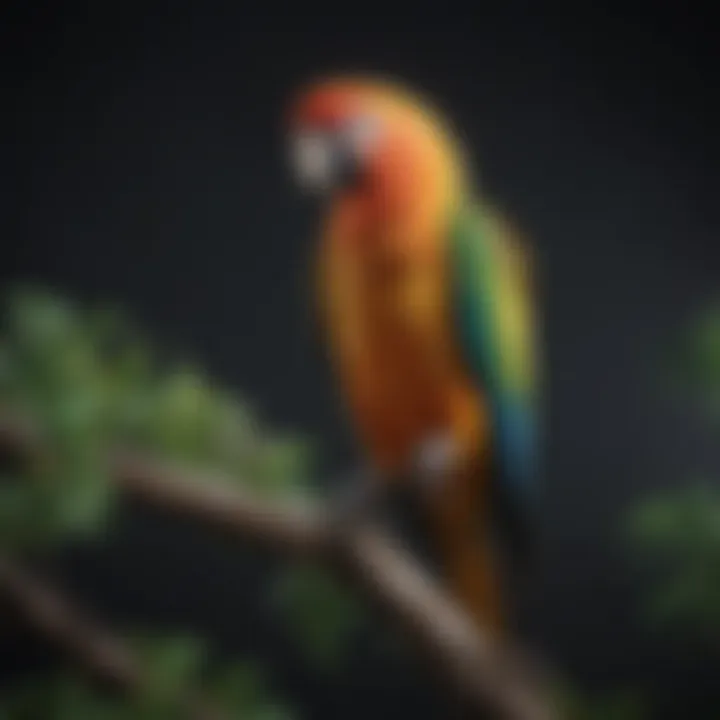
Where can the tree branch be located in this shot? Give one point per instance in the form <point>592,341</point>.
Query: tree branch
<point>489,679</point>
<point>98,652</point>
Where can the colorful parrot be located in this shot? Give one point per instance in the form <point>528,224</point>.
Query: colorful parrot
<point>426,299</point>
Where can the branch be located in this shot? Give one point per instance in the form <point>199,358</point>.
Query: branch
<point>101,654</point>
<point>486,677</point>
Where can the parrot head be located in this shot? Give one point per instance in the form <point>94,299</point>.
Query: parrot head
<point>365,136</point>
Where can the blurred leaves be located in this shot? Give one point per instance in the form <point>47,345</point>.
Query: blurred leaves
<point>623,705</point>
<point>704,349</point>
<point>681,532</point>
<point>176,668</point>
<point>89,380</point>
<point>696,362</point>
<point>179,667</point>
<point>171,667</point>
<point>62,697</point>
<point>320,613</point>
<point>243,687</point>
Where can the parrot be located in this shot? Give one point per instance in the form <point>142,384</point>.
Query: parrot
<point>425,294</point>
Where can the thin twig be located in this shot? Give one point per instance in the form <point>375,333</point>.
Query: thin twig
<point>86,642</point>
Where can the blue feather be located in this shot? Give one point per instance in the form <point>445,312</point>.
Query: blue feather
<point>476,269</point>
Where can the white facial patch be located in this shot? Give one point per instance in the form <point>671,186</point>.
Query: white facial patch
<point>313,160</point>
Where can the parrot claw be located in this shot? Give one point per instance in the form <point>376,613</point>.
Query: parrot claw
<point>433,461</point>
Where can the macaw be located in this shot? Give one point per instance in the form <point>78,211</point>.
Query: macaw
<point>427,303</point>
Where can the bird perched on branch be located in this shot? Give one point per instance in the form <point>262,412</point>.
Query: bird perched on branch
<point>426,298</point>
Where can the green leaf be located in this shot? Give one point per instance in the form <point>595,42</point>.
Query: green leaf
<point>623,705</point>
<point>39,319</point>
<point>681,531</point>
<point>238,685</point>
<point>285,466</point>
<point>85,504</point>
<point>241,688</point>
<point>172,666</point>
<point>697,362</point>
<point>27,519</point>
<point>320,613</point>
<point>61,697</point>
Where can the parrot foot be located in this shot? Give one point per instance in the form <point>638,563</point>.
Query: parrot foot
<point>433,461</point>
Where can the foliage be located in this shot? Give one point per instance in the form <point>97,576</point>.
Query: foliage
<point>680,530</point>
<point>321,614</point>
<point>698,364</point>
<point>90,381</point>
<point>625,705</point>
<point>174,668</point>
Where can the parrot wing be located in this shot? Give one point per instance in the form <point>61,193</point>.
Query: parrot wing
<point>494,312</point>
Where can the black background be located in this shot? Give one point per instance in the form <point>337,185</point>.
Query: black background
<point>141,162</point>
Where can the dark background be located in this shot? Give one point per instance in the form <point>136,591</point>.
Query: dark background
<point>141,162</point>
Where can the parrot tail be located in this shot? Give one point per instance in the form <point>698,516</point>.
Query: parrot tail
<point>468,552</point>
<point>474,580</point>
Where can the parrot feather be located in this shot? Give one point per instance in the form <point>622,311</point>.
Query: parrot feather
<point>494,312</point>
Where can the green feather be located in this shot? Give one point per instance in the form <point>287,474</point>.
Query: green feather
<point>493,312</point>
